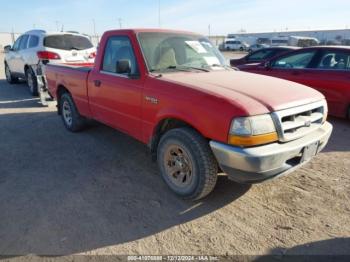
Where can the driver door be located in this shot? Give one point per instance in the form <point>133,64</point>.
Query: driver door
<point>116,99</point>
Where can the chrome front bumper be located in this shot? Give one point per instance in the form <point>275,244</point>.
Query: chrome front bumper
<point>257,164</point>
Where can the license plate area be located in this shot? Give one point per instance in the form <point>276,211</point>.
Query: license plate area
<point>310,151</point>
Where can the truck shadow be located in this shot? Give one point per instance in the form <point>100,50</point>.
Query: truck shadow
<point>64,193</point>
<point>337,249</point>
<point>340,139</point>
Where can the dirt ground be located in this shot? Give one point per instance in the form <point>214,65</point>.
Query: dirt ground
<point>98,192</point>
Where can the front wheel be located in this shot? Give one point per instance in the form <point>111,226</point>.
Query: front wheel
<point>9,77</point>
<point>187,164</point>
<point>72,120</point>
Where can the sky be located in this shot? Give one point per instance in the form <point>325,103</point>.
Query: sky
<point>223,16</point>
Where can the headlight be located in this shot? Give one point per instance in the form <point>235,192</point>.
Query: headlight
<point>252,131</point>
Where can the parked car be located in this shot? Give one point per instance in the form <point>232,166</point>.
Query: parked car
<point>236,45</point>
<point>56,47</point>
<point>261,55</point>
<point>257,47</point>
<point>327,69</point>
<point>172,91</point>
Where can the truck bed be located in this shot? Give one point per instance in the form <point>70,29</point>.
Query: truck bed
<point>72,76</point>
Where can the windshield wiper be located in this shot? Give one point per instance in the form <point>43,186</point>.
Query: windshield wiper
<point>223,66</point>
<point>173,67</point>
<point>180,68</point>
<point>197,68</point>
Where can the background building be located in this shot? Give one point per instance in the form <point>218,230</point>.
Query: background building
<point>337,36</point>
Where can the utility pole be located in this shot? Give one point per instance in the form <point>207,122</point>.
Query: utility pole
<point>209,29</point>
<point>57,25</point>
<point>159,20</point>
<point>94,26</point>
<point>120,23</point>
<point>13,35</point>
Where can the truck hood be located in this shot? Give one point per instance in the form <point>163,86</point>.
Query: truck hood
<point>257,94</point>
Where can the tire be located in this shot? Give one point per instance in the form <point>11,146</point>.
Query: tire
<point>71,118</point>
<point>187,164</point>
<point>32,82</point>
<point>9,77</point>
<point>241,49</point>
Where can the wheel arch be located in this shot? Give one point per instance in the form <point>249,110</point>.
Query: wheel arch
<point>165,124</point>
<point>61,89</point>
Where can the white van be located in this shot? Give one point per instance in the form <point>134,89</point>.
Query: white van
<point>233,44</point>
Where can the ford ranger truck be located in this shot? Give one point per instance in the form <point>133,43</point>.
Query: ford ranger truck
<point>174,92</point>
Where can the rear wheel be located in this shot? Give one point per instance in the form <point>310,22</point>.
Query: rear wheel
<point>72,120</point>
<point>241,49</point>
<point>31,82</point>
<point>9,77</point>
<point>187,163</point>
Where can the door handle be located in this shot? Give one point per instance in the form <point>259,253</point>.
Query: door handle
<point>97,83</point>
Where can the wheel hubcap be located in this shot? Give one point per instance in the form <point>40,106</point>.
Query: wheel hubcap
<point>178,166</point>
<point>67,113</point>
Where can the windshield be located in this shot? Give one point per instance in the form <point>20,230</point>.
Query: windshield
<point>175,51</point>
<point>67,42</point>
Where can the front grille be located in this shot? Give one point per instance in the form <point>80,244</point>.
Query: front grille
<point>297,122</point>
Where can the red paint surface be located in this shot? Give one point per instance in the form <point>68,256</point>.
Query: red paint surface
<point>206,101</point>
<point>333,84</point>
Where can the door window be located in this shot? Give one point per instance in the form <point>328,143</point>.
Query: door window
<point>334,60</point>
<point>16,44</point>
<point>24,42</point>
<point>119,48</point>
<point>33,41</point>
<point>297,61</point>
<point>260,55</point>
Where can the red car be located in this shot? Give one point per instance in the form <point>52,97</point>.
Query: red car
<point>262,55</point>
<point>325,68</point>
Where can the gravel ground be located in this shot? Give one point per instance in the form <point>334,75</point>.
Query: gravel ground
<point>97,192</point>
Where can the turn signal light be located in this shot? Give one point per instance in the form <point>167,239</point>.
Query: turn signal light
<point>246,141</point>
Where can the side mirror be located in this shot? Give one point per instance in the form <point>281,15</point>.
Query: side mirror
<point>123,66</point>
<point>7,48</point>
<point>267,65</point>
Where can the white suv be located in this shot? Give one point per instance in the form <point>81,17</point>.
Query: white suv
<point>36,45</point>
<point>236,45</point>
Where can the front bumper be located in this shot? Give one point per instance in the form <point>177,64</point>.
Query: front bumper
<point>257,164</point>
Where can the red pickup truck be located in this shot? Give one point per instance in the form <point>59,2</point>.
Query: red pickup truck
<point>174,92</point>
